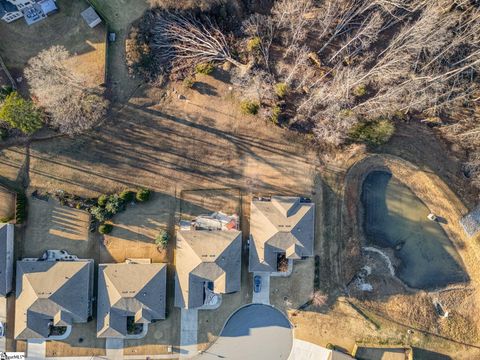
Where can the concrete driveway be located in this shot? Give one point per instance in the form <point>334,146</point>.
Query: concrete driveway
<point>255,331</point>
<point>36,349</point>
<point>262,297</point>
<point>188,333</point>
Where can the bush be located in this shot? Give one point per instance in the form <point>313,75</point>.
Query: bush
<point>373,132</point>
<point>20,113</point>
<point>102,200</point>
<point>330,346</point>
<point>204,68</point>
<point>127,196</point>
<point>188,82</point>
<point>4,91</point>
<point>21,208</point>
<point>253,44</point>
<point>281,89</point>
<point>114,204</point>
<point>99,213</point>
<point>105,229</point>
<point>3,134</point>
<point>143,195</point>
<point>249,107</point>
<point>360,90</point>
<point>275,117</point>
<point>162,239</point>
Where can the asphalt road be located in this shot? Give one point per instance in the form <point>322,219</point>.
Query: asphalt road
<point>254,332</point>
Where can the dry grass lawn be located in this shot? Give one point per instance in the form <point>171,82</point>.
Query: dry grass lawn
<point>7,204</point>
<point>52,226</point>
<point>135,229</point>
<point>21,42</point>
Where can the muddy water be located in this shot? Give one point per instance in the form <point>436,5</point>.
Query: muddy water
<point>394,217</point>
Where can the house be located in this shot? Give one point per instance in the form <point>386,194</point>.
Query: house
<point>91,17</point>
<point>6,258</point>
<point>130,296</point>
<point>471,222</point>
<point>52,295</point>
<point>9,12</point>
<point>208,263</point>
<point>282,229</point>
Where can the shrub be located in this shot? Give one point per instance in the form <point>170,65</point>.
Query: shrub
<point>105,229</point>
<point>127,195</point>
<point>3,133</point>
<point>253,44</point>
<point>373,132</point>
<point>99,213</point>
<point>360,90</point>
<point>114,204</point>
<point>6,219</point>
<point>249,107</point>
<point>276,110</point>
<point>143,195</point>
<point>102,200</point>
<point>330,346</point>
<point>188,82</point>
<point>21,208</point>
<point>204,68</point>
<point>281,89</point>
<point>4,91</point>
<point>162,239</point>
<point>20,113</point>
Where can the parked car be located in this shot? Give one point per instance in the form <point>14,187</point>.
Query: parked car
<point>257,283</point>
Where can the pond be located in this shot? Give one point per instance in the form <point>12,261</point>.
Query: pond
<point>394,217</point>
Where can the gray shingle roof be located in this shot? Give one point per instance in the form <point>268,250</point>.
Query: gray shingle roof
<point>206,256</point>
<point>129,289</point>
<point>6,258</point>
<point>281,225</point>
<point>6,7</point>
<point>58,291</point>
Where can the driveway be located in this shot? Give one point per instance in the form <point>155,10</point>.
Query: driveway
<point>188,333</point>
<point>262,297</point>
<point>255,331</point>
<point>114,349</point>
<point>36,349</point>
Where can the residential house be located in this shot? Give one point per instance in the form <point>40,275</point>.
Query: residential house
<point>130,296</point>
<point>282,229</point>
<point>9,12</point>
<point>208,264</point>
<point>52,295</point>
<point>6,258</point>
<point>91,17</point>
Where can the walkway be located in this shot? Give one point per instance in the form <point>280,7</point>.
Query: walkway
<point>188,333</point>
<point>262,297</point>
<point>303,350</point>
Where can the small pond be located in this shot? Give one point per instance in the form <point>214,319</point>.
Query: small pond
<point>394,217</point>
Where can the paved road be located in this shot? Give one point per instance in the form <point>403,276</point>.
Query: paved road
<point>188,333</point>
<point>254,332</point>
<point>262,297</point>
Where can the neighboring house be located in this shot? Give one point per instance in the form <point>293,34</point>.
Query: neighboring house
<point>6,258</point>
<point>207,263</point>
<point>130,296</point>
<point>281,230</point>
<point>9,12</point>
<point>33,10</point>
<point>51,296</point>
<point>21,4</point>
<point>471,222</point>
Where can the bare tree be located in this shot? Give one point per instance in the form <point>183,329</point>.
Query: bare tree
<point>183,38</point>
<point>262,27</point>
<point>72,104</point>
